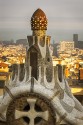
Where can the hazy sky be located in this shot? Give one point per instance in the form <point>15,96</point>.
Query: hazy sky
<point>65,18</point>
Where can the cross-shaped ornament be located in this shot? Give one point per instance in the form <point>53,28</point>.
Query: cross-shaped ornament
<point>32,113</point>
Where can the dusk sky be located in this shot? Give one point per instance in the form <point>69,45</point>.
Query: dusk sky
<point>65,18</point>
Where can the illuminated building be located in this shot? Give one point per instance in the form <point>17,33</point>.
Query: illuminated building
<point>66,46</point>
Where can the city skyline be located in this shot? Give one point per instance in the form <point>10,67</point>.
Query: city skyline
<point>65,18</point>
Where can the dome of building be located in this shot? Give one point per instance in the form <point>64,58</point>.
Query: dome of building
<point>38,20</point>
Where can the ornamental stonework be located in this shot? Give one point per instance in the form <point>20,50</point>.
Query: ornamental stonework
<point>38,93</point>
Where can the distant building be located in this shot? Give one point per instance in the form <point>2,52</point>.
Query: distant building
<point>21,41</point>
<point>55,49</point>
<point>66,46</point>
<point>80,44</point>
<point>6,42</point>
<point>75,39</point>
<point>77,43</point>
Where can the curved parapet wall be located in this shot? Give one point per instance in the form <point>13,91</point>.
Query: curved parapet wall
<point>61,102</point>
